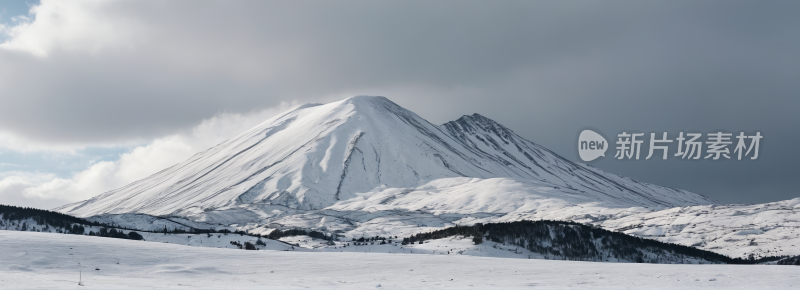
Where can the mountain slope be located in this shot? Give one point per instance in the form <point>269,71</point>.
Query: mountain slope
<point>317,156</point>
<point>736,230</point>
<point>490,140</point>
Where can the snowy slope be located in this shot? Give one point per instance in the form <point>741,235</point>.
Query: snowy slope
<point>491,141</point>
<point>55,261</point>
<point>323,156</point>
<point>770,229</point>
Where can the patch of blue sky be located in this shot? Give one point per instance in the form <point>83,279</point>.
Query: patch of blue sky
<point>13,8</point>
<point>63,165</point>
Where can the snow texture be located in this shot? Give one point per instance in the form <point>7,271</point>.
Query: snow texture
<point>58,261</point>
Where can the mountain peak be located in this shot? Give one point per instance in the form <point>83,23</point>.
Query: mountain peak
<point>477,122</point>
<point>368,101</point>
<point>364,98</point>
<point>476,119</point>
<point>372,106</point>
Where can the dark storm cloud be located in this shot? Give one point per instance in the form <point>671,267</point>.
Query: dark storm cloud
<point>543,69</point>
<point>179,62</point>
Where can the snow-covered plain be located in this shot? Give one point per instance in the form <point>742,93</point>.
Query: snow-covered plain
<point>30,260</point>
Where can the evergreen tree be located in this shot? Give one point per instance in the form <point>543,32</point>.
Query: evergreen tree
<point>135,236</point>
<point>477,239</point>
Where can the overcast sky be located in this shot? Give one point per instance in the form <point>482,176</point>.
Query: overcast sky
<point>97,94</point>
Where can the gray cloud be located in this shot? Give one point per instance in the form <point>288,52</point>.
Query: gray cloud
<point>544,69</point>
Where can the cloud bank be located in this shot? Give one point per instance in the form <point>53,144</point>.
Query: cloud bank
<point>77,74</point>
<point>46,190</point>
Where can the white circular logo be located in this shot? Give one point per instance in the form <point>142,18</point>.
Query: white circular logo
<point>591,145</point>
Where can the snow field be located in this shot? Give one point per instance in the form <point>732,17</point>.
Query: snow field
<point>43,260</point>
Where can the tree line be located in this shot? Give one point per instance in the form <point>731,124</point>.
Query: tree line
<point>277,234</point>
<point>795,260</point>
<point>62,223</point>
<point>574,241</point>
<point>42,217</point>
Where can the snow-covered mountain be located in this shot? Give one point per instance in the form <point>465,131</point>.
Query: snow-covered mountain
<point>318,156</point>
<point>365,166</point>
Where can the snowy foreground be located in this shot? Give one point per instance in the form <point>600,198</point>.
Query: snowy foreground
<point>45,260</point>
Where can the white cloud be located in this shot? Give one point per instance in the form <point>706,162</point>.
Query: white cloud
<point>13,183</point>
<point>86,25</point>
<point>45,190</point>
<point>20,143</point>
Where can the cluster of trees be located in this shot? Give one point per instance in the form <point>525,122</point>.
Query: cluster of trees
<point>42,220</point>
<point>75,229</point>
<point>191,230</point>
<point>43,217</point>
<point>277,234</point>
<point>18,225</point>
<point>247,245</point>
<point>574,241</point>
<point>363,241</point>
<point>795,260</point>
<point>176,230</point>
<point>260,242</point>
<point>114,233</point>
<point>372,239</point>
<point>61,223</point>
<point>418,242</point>
<point>319,235</point>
